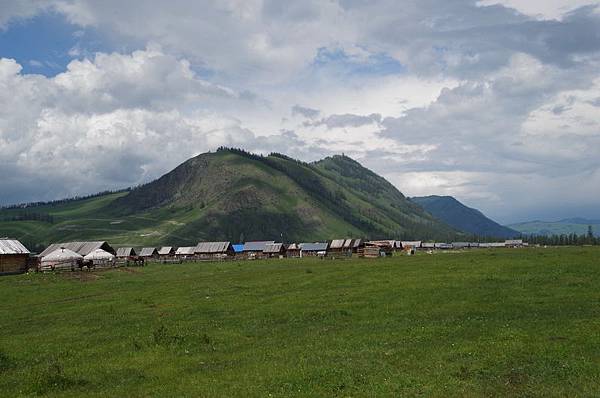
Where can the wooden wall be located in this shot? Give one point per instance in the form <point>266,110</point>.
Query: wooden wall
<point>12,263</point>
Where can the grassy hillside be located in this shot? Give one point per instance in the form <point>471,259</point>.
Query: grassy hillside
<point>463,218</point>
<point>480,323</point>
<point>578,226</point>
<point>233,195</point>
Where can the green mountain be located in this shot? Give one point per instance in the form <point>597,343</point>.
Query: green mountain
<point>234,195</point>
<point>463,218</point>
<point>578,226</point>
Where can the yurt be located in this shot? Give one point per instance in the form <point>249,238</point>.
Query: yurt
<point>99,257</point>
<point>61,259</point>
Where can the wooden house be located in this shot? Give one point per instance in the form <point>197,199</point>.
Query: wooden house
<point>357,244</point>
<point>186,253</point>
<point>313,249</point>
<point>13,257</point>
<point>292,250</point>
<point>214,250</point>
<point>256,249</point>
<point>274,250</point>
<point>166,253</point>
<point>126,253</point>
<point>149,253</point>
<point>379,248</point>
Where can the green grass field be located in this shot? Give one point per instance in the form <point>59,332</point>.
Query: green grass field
<point>483,323</point>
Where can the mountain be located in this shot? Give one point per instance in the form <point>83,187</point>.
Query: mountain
<point>463,218</point>
<point>234,195</point>
<point>578,226</point>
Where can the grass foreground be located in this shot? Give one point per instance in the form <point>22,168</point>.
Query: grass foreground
<point>480,323</point>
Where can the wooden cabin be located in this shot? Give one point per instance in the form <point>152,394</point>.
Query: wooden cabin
<point>13,257</point>
<point>126,253</point>
<point>256,249</point>
<point>186,253</point>
<point>166,253</point>
<point>292,250</point>
<point>313,249</point>
<point>149,253</point>
<point>274,250</point>
<point>374,249</point>
<point>214,250</point>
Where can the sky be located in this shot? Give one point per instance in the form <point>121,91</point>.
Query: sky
<point>495,102</point>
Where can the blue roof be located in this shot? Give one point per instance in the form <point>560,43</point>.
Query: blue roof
<point>238,248</point>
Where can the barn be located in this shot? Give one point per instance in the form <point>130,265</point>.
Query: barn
<point>13,256</point>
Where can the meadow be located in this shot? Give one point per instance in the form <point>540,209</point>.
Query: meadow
<point>523,322</point>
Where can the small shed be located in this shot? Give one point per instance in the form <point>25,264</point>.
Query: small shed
<point>13,256</point>
<point>61,258</point>
<point>274,250</point>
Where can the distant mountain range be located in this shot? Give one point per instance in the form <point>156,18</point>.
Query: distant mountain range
<point>463,218</point>
<point>567,226</point>
<point>234,195</point>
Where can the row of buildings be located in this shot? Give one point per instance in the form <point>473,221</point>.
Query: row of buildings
<point>14,257</point>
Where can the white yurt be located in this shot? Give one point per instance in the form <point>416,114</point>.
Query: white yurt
<point>100,257</point>
<point>61,259</point>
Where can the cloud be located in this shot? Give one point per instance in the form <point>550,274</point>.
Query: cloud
<point>346,120</point>
<point>306,112</point>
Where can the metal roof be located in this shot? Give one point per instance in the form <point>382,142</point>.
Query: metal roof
<point>357,243</point>
<point>408,243</point>
<point>82,248</point>
<point>257,246</point>
<point>186,250</point>
<point>165,250</point>
<point>12,246</point>
<point>337,244</point>
<point>125,252</point>
<point>148,252</point>
<point>313,247</point>
<point>238,248</point>
<point>273,247</point>
<point>212,247</point>
<point>348,244</point>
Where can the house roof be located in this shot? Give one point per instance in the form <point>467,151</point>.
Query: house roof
<point>348,244</point>
<point>293,246</point>
<point>313,247</point>
<point>357,243</point>
<point>125,252</point>
<point>189,250</point>
<point>337,244</point>
<point>409,243</point>
<point>12,246</point>
<point>82,248</point>
<point>238,248</point>
<point>273,247</point>
<point>257,246</point>
<point>148,252</point>
<point>212,247</point>
<point>391,243</point>
<point>165,250</point>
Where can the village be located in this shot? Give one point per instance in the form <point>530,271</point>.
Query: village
<point>73,256</point>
